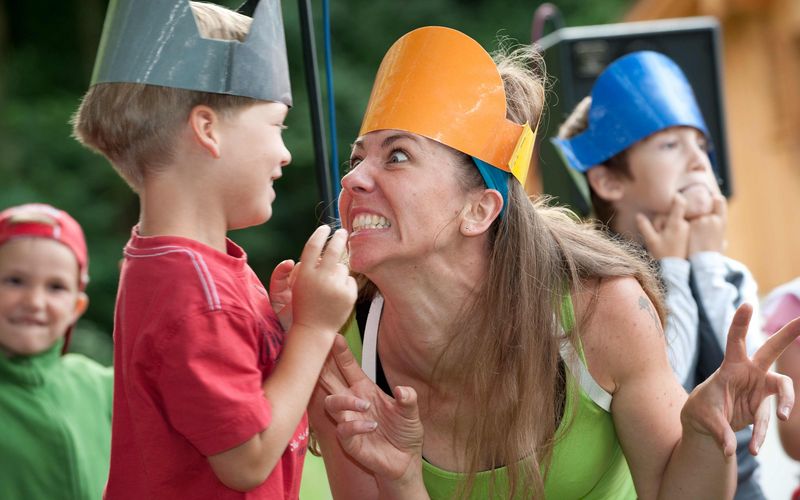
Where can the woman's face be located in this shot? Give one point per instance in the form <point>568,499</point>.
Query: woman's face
<point>401,200</point>
<point>672,161</point>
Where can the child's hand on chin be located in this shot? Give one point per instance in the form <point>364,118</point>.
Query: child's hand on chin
<point>699,200</point>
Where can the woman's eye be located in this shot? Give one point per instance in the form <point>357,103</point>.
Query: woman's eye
<point>354,161</point>
<point>398,156</point>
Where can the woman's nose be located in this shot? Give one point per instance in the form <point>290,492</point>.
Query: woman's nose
<point>358,179</point>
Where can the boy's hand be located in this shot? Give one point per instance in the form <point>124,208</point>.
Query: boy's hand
<point>707,232</point>
<point>280,291</point>
<point>323,293</point>
<point>667,235</point>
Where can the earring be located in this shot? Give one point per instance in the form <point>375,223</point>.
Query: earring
<point>468,228</point>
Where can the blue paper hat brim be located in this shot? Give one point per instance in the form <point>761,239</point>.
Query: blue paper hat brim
<point>636,96</point>
<point>156,42</point>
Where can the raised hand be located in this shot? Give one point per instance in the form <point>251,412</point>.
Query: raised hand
<point>707,232</point>
<point>323,293</point>
<point>736,394</point>
<point>667,235</point>
<point>383,433</point>
<point>280,291</point>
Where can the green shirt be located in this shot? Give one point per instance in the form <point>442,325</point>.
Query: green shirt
<point>587,459</point>
<point>55,416</point>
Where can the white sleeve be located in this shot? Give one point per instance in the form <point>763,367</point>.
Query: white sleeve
<point>682,317</point>
<point>723,285</point>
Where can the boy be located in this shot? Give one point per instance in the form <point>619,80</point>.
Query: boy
<point>203,406</point>
<point>644,147</point>
<point>55,410</point>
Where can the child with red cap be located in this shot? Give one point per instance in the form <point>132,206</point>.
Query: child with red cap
<point>55,408</point>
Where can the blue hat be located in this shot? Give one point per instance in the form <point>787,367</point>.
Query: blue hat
<point>636,96</point>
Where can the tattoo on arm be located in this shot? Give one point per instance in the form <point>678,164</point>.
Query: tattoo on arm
<point>647,306</point>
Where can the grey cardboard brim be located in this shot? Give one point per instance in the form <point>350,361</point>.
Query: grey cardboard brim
<point>156,42</point>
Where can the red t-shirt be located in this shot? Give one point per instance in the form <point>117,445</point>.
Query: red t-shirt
<point>195,337</point>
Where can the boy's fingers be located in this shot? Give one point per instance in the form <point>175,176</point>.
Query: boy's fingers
<point>720,207</point>
<point>678,209</point>
<point>351,284</point>
<point>293,274</point>
<point>313,248</point>
<point>282,272</point>
<point>775,345</point>
<point>646,228</point>
<point>335,249</point>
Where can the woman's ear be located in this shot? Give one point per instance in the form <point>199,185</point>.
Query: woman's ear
<point>481,212</point>
<point>605,183</point>
<point>204,124</point>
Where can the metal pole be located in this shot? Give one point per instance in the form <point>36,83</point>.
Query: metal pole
<point>315,106</point>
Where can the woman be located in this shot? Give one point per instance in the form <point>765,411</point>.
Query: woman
<point>524,352</point>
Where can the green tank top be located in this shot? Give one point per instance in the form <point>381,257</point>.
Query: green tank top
<point>587,459</point>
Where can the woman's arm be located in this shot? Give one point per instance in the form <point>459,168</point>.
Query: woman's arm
<point>626,353</point>
<point>676,448</point>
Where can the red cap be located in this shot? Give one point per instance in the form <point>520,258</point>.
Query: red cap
<point>38,220</point>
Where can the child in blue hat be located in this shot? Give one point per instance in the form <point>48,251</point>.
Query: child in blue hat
<point>648,159</point>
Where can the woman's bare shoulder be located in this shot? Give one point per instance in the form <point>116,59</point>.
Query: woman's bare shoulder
<point>619,327</point>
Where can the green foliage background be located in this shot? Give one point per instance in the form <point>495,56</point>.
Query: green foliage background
<point>46,55</point>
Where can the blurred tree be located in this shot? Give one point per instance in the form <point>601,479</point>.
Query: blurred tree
<point>47,51</point>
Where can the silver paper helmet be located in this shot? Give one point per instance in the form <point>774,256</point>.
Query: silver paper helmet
<point>156,42</point>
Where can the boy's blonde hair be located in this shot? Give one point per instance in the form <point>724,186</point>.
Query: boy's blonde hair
<point>134,125</point>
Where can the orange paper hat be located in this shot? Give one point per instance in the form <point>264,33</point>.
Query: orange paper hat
<point>439,83</point>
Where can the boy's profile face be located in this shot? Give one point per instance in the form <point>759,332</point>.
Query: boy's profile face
<point>254,154</point>
<point>668,163</point>
<point>39,294</point>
